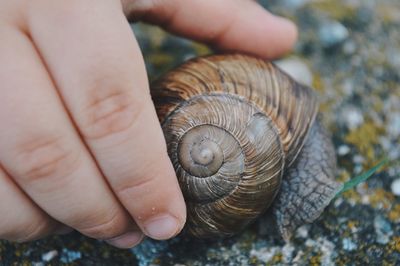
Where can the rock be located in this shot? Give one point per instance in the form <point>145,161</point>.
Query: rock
<point>302,231</point>
<point>264,254</point>
<point>68,256</point>
<point>352,117</point>
<point>294,4</point>
<point>383,230</point>
<point>332,33</point>
<point>49,255</point>
<point>287,252</point>
<point>348,244</point>
<point>349,47</point>
<point>297,69</point>
<point>395,187</point>
<point>393,127</point>
<point>343,150</point>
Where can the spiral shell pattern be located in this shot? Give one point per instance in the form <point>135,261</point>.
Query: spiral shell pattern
<point>218,160</point>
<point>232,124</point>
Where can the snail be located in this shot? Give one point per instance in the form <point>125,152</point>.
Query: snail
<point>244,137</point>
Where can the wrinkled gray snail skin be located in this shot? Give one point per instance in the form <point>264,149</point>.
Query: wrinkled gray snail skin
<point>244,137</point>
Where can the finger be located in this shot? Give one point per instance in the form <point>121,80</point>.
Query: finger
<point>43,153</point>
<point>239,25</point>
<point>104,84</point>
<point>21,220</point>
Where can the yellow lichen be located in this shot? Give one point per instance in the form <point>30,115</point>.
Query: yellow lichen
<point>381,198</point>
<point>318,83</point>
<point>334,10</point>
<point>160,59</point>
<point>201,49</point>
<point>253,260</point>
<point>156,261</point>
<point>394,214</point>
<point>352,194</point>
<point>277,258</point>
<point>394,244</point>
<point>364,138</point>
<point>155,35</point>
<point>388,14</point>
<point>315,260</point>
<point>352,224</point>
<point>343,176</point>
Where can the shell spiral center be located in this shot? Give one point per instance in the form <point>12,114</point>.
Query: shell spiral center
<point>199,152</point>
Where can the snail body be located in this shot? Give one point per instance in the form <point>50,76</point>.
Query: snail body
<point>235,126</point>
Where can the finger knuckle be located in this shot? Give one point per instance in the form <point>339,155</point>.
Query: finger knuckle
<point>33,232</point>
<point>135,187</point>
<point>24,231</point>
<point>45,157</point>
<point>104,226</point>
<point>109,110</point>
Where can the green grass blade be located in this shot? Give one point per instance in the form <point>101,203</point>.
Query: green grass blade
<point>361,178</point>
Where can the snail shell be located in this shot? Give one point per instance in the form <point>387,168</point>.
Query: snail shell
<point>232,124</point>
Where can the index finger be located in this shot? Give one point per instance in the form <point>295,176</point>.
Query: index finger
<point>240,25</point>
<point>103,82</point>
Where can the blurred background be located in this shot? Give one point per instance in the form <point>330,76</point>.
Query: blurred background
<point>349,51</point>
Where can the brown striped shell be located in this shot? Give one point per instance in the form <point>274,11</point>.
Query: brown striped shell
<point>232,124</point>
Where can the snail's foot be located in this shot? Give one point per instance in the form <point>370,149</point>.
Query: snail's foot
<point>308,185</point>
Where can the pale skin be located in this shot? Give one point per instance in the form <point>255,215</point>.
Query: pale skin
<point>80,144</point>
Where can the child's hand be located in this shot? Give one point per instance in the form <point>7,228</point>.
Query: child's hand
<point>80,143</point>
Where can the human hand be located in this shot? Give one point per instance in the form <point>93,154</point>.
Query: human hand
<point>80,146</point>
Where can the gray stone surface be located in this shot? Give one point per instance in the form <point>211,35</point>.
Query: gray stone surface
<point>358,80</point>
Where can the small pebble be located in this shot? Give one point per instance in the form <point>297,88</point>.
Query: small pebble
<point>327,249</point>
<point>332,33</point>
<point>357,169</point>
<point>395,186</point>
<point>302,231</point>
<point>348,87</point>
<point>287,252</point>
<point>343,150</point>
<point>358,159</point>
<point>349,47</point>
<point>393,127</point>
<point>348,244</point>
<point>353,118</point>
<point>297,69</point>
<point>294,4</point>
<point>69,256</point>
<point>310,242</point>
<point>393,56</point>
<point>383,230</point>
<point>264,254</point>
<point>49,255</point>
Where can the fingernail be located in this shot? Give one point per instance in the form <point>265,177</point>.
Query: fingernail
<point>162,227</point>
<point>127,240</point>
